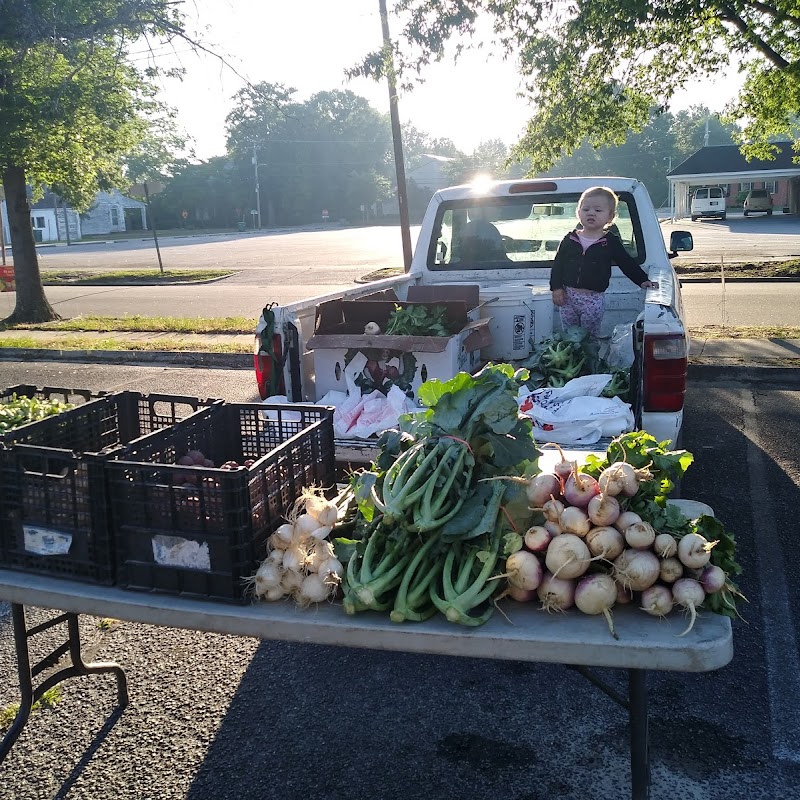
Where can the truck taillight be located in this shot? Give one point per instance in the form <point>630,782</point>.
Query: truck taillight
<point>665,364</point>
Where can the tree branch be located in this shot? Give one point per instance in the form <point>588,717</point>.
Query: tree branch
<point>727,14</point>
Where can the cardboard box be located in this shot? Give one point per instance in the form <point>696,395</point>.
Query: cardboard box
<point>339,335</point>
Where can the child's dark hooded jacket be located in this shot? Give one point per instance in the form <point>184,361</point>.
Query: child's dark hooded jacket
<point>592,269</point>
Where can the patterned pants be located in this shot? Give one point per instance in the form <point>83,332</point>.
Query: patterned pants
<point>584,308</point>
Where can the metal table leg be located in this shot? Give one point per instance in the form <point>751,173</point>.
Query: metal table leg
<point>30,694</point>
<point>639,733</point>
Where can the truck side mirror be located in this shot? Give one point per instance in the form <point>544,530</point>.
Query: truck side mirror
<point>680,241</point>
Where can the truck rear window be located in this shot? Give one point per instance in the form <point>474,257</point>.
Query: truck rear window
<point>516,232</point>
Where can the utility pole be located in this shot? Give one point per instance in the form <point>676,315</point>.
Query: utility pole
<point>258,188</point>
<point>402,197</point>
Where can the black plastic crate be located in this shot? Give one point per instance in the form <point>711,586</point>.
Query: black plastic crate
<point>198,531</point>
<point>53,509</point>
<point>72,397</point>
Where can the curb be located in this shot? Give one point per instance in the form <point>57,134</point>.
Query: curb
<point>717,371</point>
<point>686,279</point>
<point>132,357</point>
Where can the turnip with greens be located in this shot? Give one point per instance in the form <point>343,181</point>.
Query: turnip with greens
<point>603,509</point>
<point>556,594</point>
<point>665,545</point>
<point>640,535</point>
<point>694,550</point>
<point>523,570</point>
<point>620,478</point>
<point>713,579</point>
<point>542,488</point>
<point>626,519</point>
<point>575,520</point>
<point>537,539</point>
<point>553,527</point>
<point>520,595</point>
<point>567,556</point>
<point>671,570</point>
<point>605,542</point>
<point>579,489</point>
<point>563,469</point>
<point>657,600</point>
<point>596,594</point>
<point>689,594</point>
<point>637,569</point>
<point>552,510</point>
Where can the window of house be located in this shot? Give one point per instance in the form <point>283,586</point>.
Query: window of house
<point>38,222</point>
<point>770,186</point>
<point>114,215</point>
<point>745,186</point>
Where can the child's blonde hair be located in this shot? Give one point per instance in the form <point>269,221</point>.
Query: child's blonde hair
<point>602,191</point>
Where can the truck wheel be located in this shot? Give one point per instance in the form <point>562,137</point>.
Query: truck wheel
<point>694,219</point>
<point>769,213</point>
<point>723,216</point>
<point>746,213</point>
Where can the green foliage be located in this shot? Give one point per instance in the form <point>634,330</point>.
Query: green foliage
<point>593,72</point>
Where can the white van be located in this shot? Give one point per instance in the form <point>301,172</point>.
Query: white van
<point>708,202</point>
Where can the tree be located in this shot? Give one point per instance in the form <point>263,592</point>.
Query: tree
<point>70,107</point>
<point>593,71</point>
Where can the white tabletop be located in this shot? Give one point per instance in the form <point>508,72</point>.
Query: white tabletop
<point>528,634</point>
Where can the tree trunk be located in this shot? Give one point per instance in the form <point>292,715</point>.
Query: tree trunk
<point>32,305</point>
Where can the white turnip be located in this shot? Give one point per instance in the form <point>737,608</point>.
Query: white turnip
<point>556,594</point>
<point>283,536</point>
<point>689,594</point>
<point>305,525</point>
<point>640,535</point>
<point>636,569</point>
<point>613,479</point>
<point>537,539</point>
<point>713,579</point>
<point>603,509</point>
<point>606,542</point>
<point>319,553</point>
<point>520,595</point>
<point>624,596</point>
<point>567,556</point>
<point>542,488</point>
<point>331,570</point>
<point>665,545</point>
<point>523,570</point>
<point>626,519</point>
<point>596,594</point>
<point>575,520</point>
<point>657,600</point>
<point>563,469</point>
<point>579,489</point>
<point>553,527</point>
<point>552,510</point>
<point>671,569</point>
<point>694,550</point>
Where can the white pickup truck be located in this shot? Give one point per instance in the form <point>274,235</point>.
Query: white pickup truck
<point>531,216</point>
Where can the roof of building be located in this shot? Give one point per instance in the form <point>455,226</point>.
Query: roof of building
<point>728,158</point>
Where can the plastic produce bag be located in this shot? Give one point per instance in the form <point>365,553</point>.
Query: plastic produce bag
<point>620,348</point>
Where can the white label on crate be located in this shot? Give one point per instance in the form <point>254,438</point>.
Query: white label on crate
<point>173,551</point>
<point>46,541</point>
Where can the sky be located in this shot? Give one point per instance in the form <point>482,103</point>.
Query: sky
<point>308,44</point>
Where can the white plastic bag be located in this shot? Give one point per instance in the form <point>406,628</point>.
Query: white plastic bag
<point>620,349</point>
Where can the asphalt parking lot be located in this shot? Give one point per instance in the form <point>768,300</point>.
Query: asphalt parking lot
<point>223,717</point>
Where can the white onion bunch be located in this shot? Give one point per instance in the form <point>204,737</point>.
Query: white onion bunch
<point>301,562</point>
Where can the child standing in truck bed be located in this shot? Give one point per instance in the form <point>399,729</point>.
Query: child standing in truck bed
<point>582,266</point>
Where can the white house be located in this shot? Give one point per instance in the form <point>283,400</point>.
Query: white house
<point>112,212</point>
<point>50,219</point>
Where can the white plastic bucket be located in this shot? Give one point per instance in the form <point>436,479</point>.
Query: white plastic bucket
<point>519,312</point>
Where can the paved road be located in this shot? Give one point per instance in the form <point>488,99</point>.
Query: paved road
<point>220,717</point>
<point>706,303</point>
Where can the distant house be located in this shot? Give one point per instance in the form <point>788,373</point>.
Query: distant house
<point>429,174</point>
<point>51,219</point>
<point>113,212</point>
<point>725,166</point>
